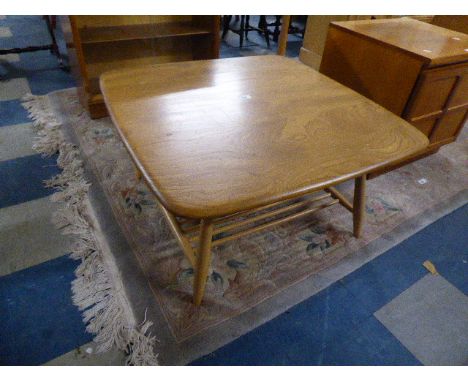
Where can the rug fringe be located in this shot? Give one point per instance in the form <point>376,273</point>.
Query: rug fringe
<point>93,290</point>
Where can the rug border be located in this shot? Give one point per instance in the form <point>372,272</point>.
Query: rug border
<point>94,290</point>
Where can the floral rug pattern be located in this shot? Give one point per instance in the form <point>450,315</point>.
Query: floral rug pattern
<point>250,270</point>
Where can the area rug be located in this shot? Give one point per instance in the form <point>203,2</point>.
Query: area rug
<point>256,277</point>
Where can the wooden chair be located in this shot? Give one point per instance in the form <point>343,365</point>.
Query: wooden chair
<point>275,24</point>
<point>51,23</point>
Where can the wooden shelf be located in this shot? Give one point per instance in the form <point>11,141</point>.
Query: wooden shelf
<point>95,69</point>
<point>93,35</point>
<point>100,43</point>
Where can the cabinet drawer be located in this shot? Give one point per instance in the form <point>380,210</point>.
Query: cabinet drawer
<point>439,102</point>
<point>438,89</point>
<point>448,126</point>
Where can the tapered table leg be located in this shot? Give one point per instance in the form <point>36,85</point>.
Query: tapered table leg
<point>359,205</point>
<point>203,261</point>
<point>139,175</point>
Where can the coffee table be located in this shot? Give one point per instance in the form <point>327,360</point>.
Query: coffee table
<point>233,146</point>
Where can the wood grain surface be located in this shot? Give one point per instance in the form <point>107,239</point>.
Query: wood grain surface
<point>435,45</point>
<point>216,137</point>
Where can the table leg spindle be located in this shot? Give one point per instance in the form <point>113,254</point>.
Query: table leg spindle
<point>359,205</point>
<point>203,260</point>
<point>139,175</point>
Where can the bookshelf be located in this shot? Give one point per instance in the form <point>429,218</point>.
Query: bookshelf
<point>97,44</point>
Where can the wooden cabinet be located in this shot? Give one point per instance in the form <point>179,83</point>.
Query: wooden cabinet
<point>97,44</point>
<point>414,69</point>
<point>317,28</point>
<point>457,23</point>
<point>316,34</point>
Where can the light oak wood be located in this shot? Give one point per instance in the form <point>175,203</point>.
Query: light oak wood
<point>316,34</point>
<point>210,141</point>
<point>386,76</point>
<point>104,21</point>
<point>414,69</point>
<point>140,32</point>
<point>433,45</point>
<point>283,213</point>
<point>234,226</point>
<point>97,44</point>
<point>317,28</point>
<point>425,18</point>
<point>217,145</point>
<point>243,214</point>
<point>457,23</point>
<point>283,37</point>
<point>273,223</point>
<point>139,175</point>
<point>181,238</point>
<point>343,200</point>
<point>359,205</point>
<point>441,105</point>
<point>263,216</point>
<point>203,260</point>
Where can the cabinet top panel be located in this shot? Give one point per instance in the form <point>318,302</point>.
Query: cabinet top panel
<point>434,45</point>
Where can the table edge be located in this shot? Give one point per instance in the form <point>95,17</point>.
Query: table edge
<point>220,211</point>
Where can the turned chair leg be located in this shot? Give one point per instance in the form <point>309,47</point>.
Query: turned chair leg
<point>359,205</point>
<point>203,261</point>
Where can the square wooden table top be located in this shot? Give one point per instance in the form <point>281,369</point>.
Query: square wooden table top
<point>217,137</point>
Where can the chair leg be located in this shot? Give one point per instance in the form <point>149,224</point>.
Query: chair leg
<point>51,22</point>
<point>276,31</point>
<point>203,261</point>
<point>267,36</point>
<point>226,22</point>
<point>359,205</point>
<point>261,22</point>
<point>247,27</point>
<point>241,31</point>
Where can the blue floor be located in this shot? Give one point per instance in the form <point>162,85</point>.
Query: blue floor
<point>39,322</point>
<point>12,113</point>
<point>22,178</point>
<point>38,319</point>
<point>335,327</point>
